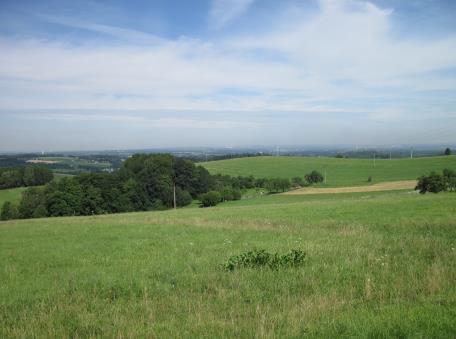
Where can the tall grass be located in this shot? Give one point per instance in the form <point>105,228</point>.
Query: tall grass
<point>377,265</point>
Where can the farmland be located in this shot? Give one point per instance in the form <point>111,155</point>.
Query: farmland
<point>377,264</point>
<point>340,172</point>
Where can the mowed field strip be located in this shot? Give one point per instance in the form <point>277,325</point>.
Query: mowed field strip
<point>384,186</point>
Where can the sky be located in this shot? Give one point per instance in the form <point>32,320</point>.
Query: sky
<point>91,75</point>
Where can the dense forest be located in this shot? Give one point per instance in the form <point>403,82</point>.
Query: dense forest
<point>24,176</point>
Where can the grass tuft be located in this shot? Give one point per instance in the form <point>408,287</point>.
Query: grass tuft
<point>261,258</point>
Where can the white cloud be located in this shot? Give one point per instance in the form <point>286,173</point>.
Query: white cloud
<point>304,63</point>
<point>224,11</point>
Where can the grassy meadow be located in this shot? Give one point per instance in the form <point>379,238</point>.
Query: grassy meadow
<point>340,172</point>
<point>11,194</point>
<point>378,265</point>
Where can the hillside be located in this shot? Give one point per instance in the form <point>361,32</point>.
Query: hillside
<point>340,172</point>
<point>377,265</point>
<point>11,194</point>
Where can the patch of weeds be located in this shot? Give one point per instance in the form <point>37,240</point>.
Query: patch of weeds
<point>261,258</point>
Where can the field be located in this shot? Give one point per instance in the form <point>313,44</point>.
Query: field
<point>340,172</point>
<point>72,165</point>
<point>11,194</point>
<point>378,265</point>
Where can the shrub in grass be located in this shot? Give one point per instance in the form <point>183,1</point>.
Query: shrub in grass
<point>262,258</point>
<point>314,177</point>
<point>210,198</point>
<point>434,183</point>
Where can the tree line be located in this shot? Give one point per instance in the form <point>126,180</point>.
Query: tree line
<point>143,183</point>
<point>11,177</point>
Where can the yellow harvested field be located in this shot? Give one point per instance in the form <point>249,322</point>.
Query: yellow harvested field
<point>383,186</point>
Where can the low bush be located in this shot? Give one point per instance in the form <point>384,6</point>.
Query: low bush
<point>314,177</point>
<point>261,258</point>
<point>435,182</point>
<point>211,198</point>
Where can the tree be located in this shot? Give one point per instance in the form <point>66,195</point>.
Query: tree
<point>284,184</point>
<point>271,185</point>
<point>227,194</point>
<point>434,183</point>
<point>91,201</point>
<point>450,179</point>
<point>9,211</point>
<point>447,151</point>
<point>298,182</point>
<point>32,198</point>
<point>210,198</point>
<point>11,177</point>
<point>183,198</point>
<point>29,176</point>
<point>314,177</point>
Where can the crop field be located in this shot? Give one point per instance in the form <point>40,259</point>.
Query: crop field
<point>11,194</point>
<point>339,172</point>
<point>377,265</point>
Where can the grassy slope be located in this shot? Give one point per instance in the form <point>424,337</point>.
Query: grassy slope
<point>14,194</point>
<point>340,172</point>
<point>11,194</point>
<point>378,265</point>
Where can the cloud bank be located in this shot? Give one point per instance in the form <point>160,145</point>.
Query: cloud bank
<point>341,59</point>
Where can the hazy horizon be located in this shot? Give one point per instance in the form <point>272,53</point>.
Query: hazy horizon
<point>98,75</point>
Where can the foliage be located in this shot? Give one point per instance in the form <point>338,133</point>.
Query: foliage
<point>183,198</point>
<point>447,151</point>
<point>24,176</point>
<point>314,177</point>
<point>261,258</point>
<point>211,198</point>
<point>145,182</point>
<point>275,185</point>
<point>298,182</point>
<point>450,179</point>
<point>9,211</point>
<point>435,182</point>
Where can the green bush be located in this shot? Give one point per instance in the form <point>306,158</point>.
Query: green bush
<point>450,179</point>
<point>211,198</point>
<point>314,177</point>
<point>433,183</point>
<point>261,258</point>
<point>183,198</point>
<point>298,182</point>
<point>9,211</point>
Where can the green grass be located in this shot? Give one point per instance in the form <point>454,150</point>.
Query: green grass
<point>14,194</point>
<point>340,172</point>
<point>378,265</point>
<point>11,194</point>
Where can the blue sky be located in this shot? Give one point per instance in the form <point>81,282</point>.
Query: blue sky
<point>136,74</point>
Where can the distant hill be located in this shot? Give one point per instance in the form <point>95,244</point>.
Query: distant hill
<point>339,172</point>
